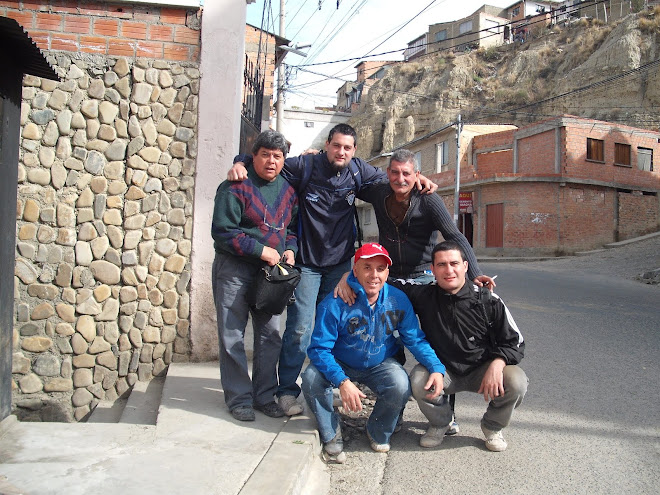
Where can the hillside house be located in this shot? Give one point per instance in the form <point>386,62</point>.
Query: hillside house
<point>350,93</point>
<point>435,152</point>
<point>562,185</point>
<point>487,26</point>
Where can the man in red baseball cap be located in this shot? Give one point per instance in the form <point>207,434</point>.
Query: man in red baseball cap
<point>359,342</point>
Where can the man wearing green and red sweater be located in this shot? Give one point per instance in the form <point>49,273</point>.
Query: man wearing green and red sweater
<point>254,223</point>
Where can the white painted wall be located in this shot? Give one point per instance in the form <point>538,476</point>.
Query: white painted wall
<point>223,49</point>
<point>304,136</point>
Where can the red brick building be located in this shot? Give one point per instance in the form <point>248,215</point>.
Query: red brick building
<point>262,54</point>
<point>561,185</point>
<point>120,29</point>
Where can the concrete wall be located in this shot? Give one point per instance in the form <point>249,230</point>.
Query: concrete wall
<point>219,133</point>
<point>309,128</point>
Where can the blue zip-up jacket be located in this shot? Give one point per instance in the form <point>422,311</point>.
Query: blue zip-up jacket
<point>362,338</point>
<point>326,235</point>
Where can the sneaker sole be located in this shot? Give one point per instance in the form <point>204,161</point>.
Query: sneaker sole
<point>429,446</point>
<point>494,448</point>
<point>334,459</point>
<point>295,411</point>
<point>277,414</point>
<point>240,417</point>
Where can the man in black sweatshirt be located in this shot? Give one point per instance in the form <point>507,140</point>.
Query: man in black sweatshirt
<point>475,336</point>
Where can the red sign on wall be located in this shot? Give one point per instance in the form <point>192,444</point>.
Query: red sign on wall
<point>465,202</point>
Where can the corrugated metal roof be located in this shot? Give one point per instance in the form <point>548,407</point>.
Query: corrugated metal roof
<point>17,45</point>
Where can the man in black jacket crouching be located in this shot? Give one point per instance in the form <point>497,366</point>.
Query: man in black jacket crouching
<point>474,335</point>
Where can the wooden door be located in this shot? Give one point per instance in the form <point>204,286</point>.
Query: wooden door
<point>495,225</point>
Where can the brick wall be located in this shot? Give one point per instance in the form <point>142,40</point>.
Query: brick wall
<point>124,30</point>
<point>536,153</point>
<point>577,165</point>
<point>493,139</point>
<point>638,215</point>
<point>587,217</point>
<point>545,217</point>
<point>490,164</point>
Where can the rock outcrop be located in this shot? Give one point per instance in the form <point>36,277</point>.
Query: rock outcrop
<point>505,84</point>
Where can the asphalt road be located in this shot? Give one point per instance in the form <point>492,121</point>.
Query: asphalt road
<point>590,422</point>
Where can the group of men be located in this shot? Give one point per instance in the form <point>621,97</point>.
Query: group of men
<point>306,213</point>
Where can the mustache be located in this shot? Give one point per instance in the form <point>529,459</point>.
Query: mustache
<point>402,184</point>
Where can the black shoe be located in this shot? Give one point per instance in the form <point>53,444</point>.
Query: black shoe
<point>243,413</point>
<point>271,409</point>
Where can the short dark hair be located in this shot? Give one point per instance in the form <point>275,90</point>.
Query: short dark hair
<point>447,246</point>
<point>344,129</point>
<point>271,140</point>
<point>404,156</point>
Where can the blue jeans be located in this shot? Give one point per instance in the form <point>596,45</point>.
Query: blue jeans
<point>231,281</point>
<point>315,284</point>
<point>388,380</point>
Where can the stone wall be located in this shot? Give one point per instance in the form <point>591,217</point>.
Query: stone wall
<point>104,229</point>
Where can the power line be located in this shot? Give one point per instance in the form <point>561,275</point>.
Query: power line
<point>587,87</point>
<point>463,35</point>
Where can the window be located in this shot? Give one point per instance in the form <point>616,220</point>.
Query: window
<point>622,154</point>
<point>645,159</point>
<point>441,35</point>
<point>366,215</point>
<point>464,27</point>
<point>515,12</point>
<point>309,124</point>
<point>442,156</point>
<point>595,150</point>
<point>492,26</point>
<point>418,159</point>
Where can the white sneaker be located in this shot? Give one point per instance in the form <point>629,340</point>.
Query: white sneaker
<point>494,440</point>
<point>378,447</point>
<point>453,429</point>
<point>433,436</point>
<point>333,451</point>
<point>290,405</point>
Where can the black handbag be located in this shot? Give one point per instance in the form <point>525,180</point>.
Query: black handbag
<point>273,288</point>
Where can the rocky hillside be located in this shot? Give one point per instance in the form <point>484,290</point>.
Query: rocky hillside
<point>590,69</point>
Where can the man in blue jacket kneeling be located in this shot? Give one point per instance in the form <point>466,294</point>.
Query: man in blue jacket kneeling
<point>358,343</point>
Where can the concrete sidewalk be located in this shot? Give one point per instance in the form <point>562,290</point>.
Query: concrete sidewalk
<point>196,447</point>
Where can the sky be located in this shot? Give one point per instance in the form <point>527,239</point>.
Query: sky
<point>357,30</point>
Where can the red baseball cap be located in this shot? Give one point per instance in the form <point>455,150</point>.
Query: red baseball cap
<point>372,250</point>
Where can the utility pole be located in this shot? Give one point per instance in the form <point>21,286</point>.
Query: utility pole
<point>279,104</point>
<point>458,167</point>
